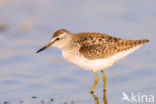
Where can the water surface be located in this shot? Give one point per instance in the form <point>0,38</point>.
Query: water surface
<point>30,78</point>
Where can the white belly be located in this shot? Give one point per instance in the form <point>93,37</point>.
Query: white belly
<point>97,64</point>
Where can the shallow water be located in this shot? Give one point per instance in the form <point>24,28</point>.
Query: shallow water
<point>30,78</point>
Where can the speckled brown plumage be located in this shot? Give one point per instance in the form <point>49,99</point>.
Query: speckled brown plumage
<point>98,46</point>
<point>92,51</point>
<point>58,32</point>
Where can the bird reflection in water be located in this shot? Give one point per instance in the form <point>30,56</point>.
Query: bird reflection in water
<point>96,98</point>
<point>104,90</point>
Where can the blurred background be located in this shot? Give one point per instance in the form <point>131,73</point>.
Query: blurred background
<point>30,78</point>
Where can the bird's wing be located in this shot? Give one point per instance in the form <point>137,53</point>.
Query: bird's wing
<point>98,46</point>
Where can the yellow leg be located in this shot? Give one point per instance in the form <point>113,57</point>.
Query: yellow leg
<point>104,81</point>
<point>95,82</point>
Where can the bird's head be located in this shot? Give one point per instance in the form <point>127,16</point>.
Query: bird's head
<point>58,39</point>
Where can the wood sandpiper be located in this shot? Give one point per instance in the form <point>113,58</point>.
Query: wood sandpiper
<point>92,51</point>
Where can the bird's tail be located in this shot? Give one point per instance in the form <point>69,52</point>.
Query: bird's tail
<point>141,41</point>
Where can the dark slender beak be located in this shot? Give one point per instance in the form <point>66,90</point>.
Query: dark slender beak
<point>45,47</point>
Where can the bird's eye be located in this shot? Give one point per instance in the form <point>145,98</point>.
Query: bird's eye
<point>57,38</point>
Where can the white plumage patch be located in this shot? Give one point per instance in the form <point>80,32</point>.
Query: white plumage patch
<point>98,64</point>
